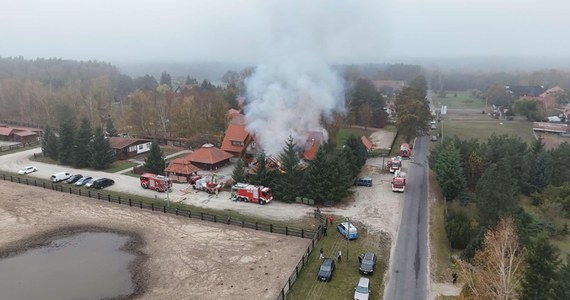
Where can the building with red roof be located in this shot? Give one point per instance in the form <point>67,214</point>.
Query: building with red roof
<point>367,143</point>
<point>236,140</point>
<point>209,157</point>
<point>19,134</point>
<point>314,140</point>
<point>181,167</point>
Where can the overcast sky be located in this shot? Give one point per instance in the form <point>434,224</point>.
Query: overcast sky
<point>245,30</point>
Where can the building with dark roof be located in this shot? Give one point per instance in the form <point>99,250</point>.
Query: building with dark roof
<point>129,147</point>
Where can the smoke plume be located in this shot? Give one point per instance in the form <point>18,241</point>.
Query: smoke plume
<point>294,84</point>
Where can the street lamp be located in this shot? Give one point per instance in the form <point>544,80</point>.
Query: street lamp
<point>347,236</point>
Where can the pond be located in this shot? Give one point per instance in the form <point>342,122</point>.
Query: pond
<point>88,265</point>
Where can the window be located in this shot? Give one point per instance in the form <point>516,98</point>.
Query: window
<point>141,147</point>
<point>237,143</point>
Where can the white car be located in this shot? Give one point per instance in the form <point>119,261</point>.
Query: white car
<point>90,182</point>
<point>362,290</point>
<point>27,170</point>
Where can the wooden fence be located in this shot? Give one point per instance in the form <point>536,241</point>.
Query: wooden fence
<point>18,146</point>
<point>134,202</point>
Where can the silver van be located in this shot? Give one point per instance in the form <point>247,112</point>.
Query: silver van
<point>61,176</point>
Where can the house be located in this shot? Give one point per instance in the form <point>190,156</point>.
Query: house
<point>236,140</point>
<point>19,134</point>
<point>518,91</point>
<point>126,147</point>
<point>367,143</point>
<point>312,144</point>
<point>209,157</point>
<point>181,167</point>
<point>392,85</point>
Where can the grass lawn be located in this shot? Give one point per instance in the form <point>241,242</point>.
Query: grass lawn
<point>482,130</point>
<point>463,100</point>
<point>346,274</point>
<point>396,149</point>
<point>344,133</point>
<point>120,165</point>
<point>440,254</point>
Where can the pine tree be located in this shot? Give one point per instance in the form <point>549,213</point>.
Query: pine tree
<point>239,172</point>
<point>561,164</point>
<point>539,279</point>
<point>49,144</point>
<point>110,128</point>
<point>349,159</point>
<point>341,175</point>
<point>317,179</point>
<point>562,282</point>
<point>449,173</point>
<point>154,161</point>
<point>262,176</point>
<point>81,154</point>
<point>542,171</point>
<point>358,149</point>
<point>288,183</point>
<point>66,135</point>
<point>496,200</point>
<point>102,155</point>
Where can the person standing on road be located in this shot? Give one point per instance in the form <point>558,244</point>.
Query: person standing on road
<point>325,230</point>
<point>339,256</point>
<point>321,255</point>
<point>454,276</point>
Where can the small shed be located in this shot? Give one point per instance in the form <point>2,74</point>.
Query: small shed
<point>127,147</point>
<point>181,167</point>
<point>209,157</point>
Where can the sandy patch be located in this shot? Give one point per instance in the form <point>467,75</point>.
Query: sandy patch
<point>186,259</point>
<point>382,139</point>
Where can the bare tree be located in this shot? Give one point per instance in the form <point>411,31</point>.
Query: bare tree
<point>497,268</point>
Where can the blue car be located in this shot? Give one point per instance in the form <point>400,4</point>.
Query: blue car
<point>352,232</point>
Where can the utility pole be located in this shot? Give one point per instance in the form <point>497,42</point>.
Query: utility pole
<point>347,236</point>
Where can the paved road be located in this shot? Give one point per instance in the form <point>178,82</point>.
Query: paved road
<point>408,270</point>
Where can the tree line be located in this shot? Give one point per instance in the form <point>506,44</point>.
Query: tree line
<point>328,177</point>
<point>493,176</point>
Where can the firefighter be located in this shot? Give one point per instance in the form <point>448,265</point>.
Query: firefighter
<point>321,254</point>
<point>339,256</point>
<point>331,219</point>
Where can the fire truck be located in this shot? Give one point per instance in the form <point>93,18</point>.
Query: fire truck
<point>405,150</point>
<point>251,193</point>
<point>208,184</point>
<point>399,181</point>
<point>155,182</point>
<point>394,164</point>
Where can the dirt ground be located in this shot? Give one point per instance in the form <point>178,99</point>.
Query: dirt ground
<point>382,139</point>
<point>552,140</point>
<point>185,259</point>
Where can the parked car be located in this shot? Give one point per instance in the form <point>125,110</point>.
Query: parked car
<point>367,263</point>
<point>27,170</point>
<point>352,232</point>
<point>434,138</point>
<point>74,178</point>
<point>362,289</point>
<point>89,183</point>
<point>326,270</point>
<point>103,183</point>
<point>61,176</point>
<point>83,180</point>
<point>364,181</point>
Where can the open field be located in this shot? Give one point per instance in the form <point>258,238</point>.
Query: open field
<point>344,133</point>
<point>463,100</point>
<point>120,165</point>
<point>552,141</point>
<point>483,129</point>
<point>185,258</point>
<point>346,274</point>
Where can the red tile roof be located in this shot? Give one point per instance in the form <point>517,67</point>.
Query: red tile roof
<point>236,133</point>
<point>6,131</point>
<point>120,142</point>
<point>181,166</point>
<point>208,154</point>
<point>313,143</point>
<point>367,143</point>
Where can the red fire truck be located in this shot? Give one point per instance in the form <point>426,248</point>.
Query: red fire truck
<point>399,182</point>
<point>251,193</point>
<point>394,164</point>
<point>405,150</point>
<point>155,182</point>
<point>208,184</point>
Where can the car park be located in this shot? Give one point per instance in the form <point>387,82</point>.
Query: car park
<point>103,183</point>
<point>27,170</point>
<point>61,176</point>
<point>362,289</point>
<point>364,181</point>
<point>347,230</point>
<point>74,178</point>
<point>367,263</point>
<point>89,183</point>
<point>83,180</point>
<point>326,270</point>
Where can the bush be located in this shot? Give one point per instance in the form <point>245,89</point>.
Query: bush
<point>460,230</point>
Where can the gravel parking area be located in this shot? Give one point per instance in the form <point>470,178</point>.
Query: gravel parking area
<point>186,259</point>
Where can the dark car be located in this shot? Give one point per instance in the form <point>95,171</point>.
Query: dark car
<point>326,270</point>
<point>74,178</point>
<point>367,263</point>
<point>103,183</point>
<point>365,181</point>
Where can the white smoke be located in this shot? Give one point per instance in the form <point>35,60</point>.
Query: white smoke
<point>294,84</point>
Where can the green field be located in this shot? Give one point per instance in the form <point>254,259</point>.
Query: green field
<point>463,100</point>
<point>346,274</point>
<point>120,165</point>
<point>344,133</point>
<point>483,129</point>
